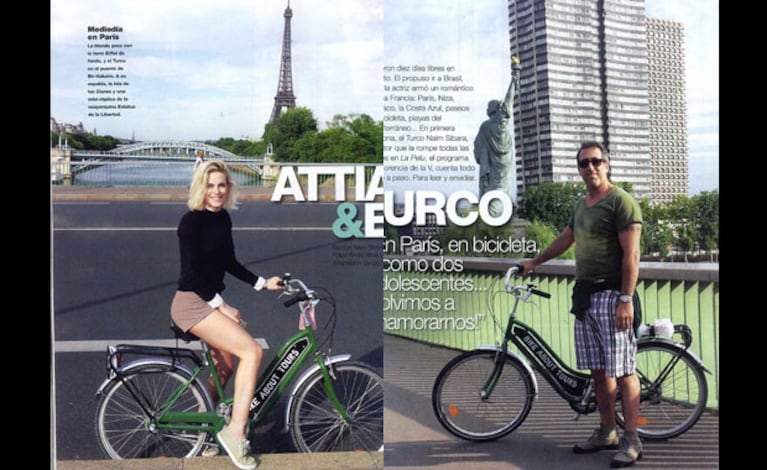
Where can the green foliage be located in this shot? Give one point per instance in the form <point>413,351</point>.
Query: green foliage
<point>684,224</point>
<point>225,143</point>
<point>478,230</point>
<point>288,128</point>
<point>255,149</point>
<point>696,220</point>
<point>86,141</point>
<point>391,235</point>
<point>76,144</point>
<point>551,203</point>
<point>347,139</point>
<point>707,217</point>
<point>241,147</point>
<point>528,236</point>
<point>626,186</point>
<point>353,138</point>
<point>543,234</point>
<point>657,231</point>
<point>368,147</point>
<point>682,213</point>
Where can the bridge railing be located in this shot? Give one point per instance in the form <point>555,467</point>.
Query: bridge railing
<point>110,170</point>
<point>455,308</point>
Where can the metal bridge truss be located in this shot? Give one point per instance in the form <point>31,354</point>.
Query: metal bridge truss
<point>168,151</point>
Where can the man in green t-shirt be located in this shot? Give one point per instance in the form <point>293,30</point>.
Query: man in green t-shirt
<point>605,226</point>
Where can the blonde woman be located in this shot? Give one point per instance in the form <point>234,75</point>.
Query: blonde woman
<point>207,253</point>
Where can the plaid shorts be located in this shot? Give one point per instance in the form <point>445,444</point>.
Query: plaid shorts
<point>598,343</point>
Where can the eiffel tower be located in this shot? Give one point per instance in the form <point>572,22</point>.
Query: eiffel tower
<point>284,97</point>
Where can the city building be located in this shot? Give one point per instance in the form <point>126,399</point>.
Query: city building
<point>68,128</point>
<point>585,76</point>
<point>668,116</point>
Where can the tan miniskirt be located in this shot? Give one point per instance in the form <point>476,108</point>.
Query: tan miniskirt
<point>188,309</point>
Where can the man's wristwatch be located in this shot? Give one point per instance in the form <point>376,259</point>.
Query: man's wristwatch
<point>625,298</point>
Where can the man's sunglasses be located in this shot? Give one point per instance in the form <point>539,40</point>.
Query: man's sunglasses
<point>597,162</point>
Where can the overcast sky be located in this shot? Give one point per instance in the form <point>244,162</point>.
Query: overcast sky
<point>200,69</point>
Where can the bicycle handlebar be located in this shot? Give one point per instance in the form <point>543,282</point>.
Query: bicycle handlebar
<point>307,299</point>
<point>545,295</point>
<point>512,271</point>
<point>295,288</point>
<point>529,288</point>
<point>295,299</point>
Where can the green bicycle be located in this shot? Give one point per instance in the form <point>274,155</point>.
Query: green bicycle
<point>157,405</point>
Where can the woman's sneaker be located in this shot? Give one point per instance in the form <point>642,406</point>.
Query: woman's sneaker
<point>239,451</point>
<point>600,440</point>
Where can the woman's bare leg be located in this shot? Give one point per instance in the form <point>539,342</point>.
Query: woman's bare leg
<point>220,332</point>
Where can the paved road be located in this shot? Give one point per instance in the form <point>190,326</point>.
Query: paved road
<point>115,266</point>
<point>414,438</point>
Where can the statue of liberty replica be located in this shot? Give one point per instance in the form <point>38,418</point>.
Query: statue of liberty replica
<point>494,144</point>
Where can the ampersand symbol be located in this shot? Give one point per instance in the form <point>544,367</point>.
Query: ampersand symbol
<point>345,226</point>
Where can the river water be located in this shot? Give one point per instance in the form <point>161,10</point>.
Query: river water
<point>143,174</point>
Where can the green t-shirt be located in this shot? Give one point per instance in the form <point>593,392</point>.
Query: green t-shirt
<point>598,252</point>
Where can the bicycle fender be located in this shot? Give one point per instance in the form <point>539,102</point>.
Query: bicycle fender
<point>677,346</point>
<point>516,357</point>
<point>126,368</point>
<point>303,378</point>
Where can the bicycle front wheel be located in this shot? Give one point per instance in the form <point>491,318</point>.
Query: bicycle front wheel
<point>673,391</point>
<point>460,408</point>
<point>126,431</point>
<point>315,424</point>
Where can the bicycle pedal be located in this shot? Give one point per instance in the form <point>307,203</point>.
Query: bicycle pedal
<point>211,450</point>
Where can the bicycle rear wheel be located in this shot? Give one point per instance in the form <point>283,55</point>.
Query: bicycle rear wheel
<point>673,392</point>
<point>125,431</point>
<point>316,426</point>
<point>462,411</point>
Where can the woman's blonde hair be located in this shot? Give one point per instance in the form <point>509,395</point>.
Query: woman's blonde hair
<point>198,187</point>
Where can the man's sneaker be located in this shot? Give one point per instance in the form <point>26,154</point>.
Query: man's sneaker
<point>629,451</point>
<point>239,451</point>
<point>600,440</point>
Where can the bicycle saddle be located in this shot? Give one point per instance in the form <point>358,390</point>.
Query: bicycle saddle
<point>181,334</point>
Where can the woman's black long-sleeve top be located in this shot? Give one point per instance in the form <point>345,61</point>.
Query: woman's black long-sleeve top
<point>207,253</point>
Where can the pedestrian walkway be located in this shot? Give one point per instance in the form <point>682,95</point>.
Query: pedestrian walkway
<point>297,461</point>
<point>414,438</point>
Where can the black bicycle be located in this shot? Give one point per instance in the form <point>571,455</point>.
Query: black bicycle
<point>486,393</point>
